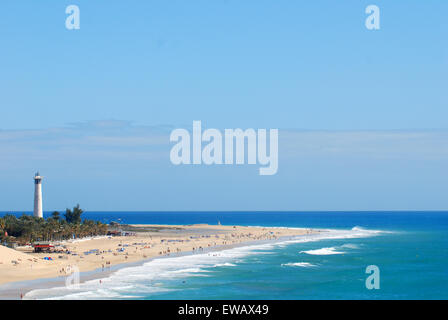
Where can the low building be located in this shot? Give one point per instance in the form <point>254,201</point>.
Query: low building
<point>42,247</point>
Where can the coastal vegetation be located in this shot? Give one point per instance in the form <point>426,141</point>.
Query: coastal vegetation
<point>27,229</point>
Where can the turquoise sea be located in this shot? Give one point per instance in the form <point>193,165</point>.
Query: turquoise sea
<point>409,248</point>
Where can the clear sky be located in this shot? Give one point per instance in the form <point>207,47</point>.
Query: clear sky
<point>362,114</point>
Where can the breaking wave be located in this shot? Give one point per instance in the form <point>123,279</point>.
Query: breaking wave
<point>298,264</point>
<point>323,251</point>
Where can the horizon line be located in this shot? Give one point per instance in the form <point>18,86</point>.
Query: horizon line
<point>229,211</point>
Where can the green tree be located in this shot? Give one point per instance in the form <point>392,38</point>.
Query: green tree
<point>2,228</point>
<point>74,216</point>
<point>56,216</point>
<point>29,229</point>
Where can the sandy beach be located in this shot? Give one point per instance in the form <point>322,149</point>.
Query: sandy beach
<point>146,241</point>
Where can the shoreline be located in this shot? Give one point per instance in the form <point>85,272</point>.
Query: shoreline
<point>10,290</point>
<point>13,290</point>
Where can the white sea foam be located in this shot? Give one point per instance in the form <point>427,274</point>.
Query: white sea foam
<point>323,251</point>
<point>227,264</point>
<point>331,250</point>
<point>147,279</point>
<point>299,264</point>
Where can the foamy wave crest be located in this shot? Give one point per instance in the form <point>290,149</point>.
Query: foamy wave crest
<point>323,251</point>
<point>227,264</point>
<point>298,264</point>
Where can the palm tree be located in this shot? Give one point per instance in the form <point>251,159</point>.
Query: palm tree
<point>56,215</point>
<point>10,223</point>
<point>74,216</point>
<point>2,227</point>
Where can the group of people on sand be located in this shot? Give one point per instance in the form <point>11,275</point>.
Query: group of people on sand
<point>128,249</point>
<point>67,270</point>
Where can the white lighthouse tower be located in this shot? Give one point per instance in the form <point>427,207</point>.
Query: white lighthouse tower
<point>38,196</point>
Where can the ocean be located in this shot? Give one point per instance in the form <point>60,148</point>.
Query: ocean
<point>410,250</point>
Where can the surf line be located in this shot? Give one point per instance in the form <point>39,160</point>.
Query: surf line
<point>234,140</point>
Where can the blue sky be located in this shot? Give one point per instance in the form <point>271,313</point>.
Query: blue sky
<point>362,114</point>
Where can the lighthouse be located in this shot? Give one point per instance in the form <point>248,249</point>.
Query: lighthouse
<point>38,196</point>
